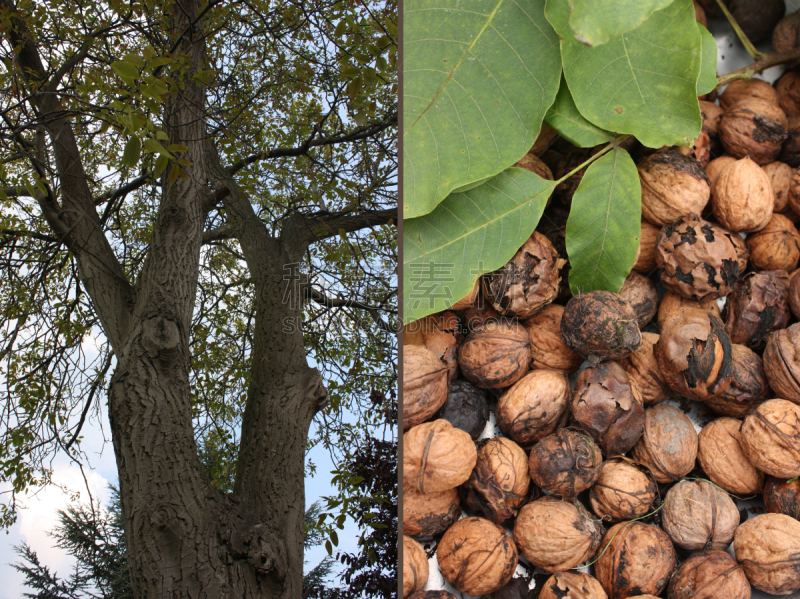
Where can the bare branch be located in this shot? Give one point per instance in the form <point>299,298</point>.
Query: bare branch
<point>331,302</point>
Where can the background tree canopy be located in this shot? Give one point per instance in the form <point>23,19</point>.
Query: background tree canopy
<point>223,173</point>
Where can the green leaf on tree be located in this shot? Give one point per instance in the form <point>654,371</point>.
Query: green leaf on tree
<point>161,165</point>
<point>468,234</point>
<point>596,22</point>
<point>707,81</point>
<point>126,71</point>
<point>604,227</point>
<point>643,82</point>
<point>478,79</point>
<point>153,146</point>
<point>130,156</point>
<point>565,118</point>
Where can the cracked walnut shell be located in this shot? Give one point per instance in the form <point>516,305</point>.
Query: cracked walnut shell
<point>476,556</point>
<point>758,305</point>
<point>720,455</point>
<point>437,456</point>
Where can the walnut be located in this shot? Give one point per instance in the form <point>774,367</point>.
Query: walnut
<point>415,566</point>
<point>776,246</point>
<point>673,185</point>
<point>499,483</point>
<point>780,175</point>
<point>496,354</point>
<point>639,558</point>
<point>624,491</point>
<point>757,18</point>
<point>794,296</point>
<point>608,405</point>
<point>742,196</point>
<point>440,333</point>
<point>711,114</point>
<point>699,260</point>
<point>601,326</point>
<point>748,388</point>
<point>476,556</point>
<point>794,192</point>
<point>740,89</point>
<point>432,595</point>
<point>535,165</point>
<point>782,363</point>
<point>437,457</point>
<point>758,305</point>
<point>469,299</point>
<point>668,445</point>
<point>694,354</point>
<point>572,585</point>
<point>479,314</point>
<point>671,302</point>
<point>788,88</point>
<point>782,496</point>
<point>466,407</point>
<point>641,293</point>
<point>424,385</point>
<point>565,463</point>
<point>707,576</point>
<point>553,225</point>
<point>700,149</point>
<point>699,516</point>
<point>643,369</point>
<point>753,128</point>
<point>646,254</point>
<point>790,151</point>
<point>516,588</point>
<point>554,534</point>
<point>771,438</point>
<point>716,166</point>
<point>534,406</point>
<point>548,350</point>
<point>768,548</point>
<point>786,35</point>
<point>721,457</point>
<point>527,282</point>
<point>429,514</point>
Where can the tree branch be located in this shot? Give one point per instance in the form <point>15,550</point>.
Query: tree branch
<point>124,189</point>
<point>330,302</point>
<point>762,64</point>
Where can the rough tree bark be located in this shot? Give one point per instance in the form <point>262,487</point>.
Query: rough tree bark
<point>185,538</point>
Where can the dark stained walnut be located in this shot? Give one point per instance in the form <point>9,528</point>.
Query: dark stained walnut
<point>495,355</point>
<point>694,354</point>
<point>742,196</point>
<point>776,246</point>
<point>429,514</point>
<point>708,576</point>
<point>698,260</point>
<point>639,558</point>
<point>790,151</point>
<point>572,585</point>
<point>668,446</point>
<point>699,516</point>
<point>499,483</point>
<point>476,556</point>
<point>754,89</point>
<point>720,455</point>
<point>608,406</point>
<point>646,254</point>
<point>624,491</point>
<point>768,548</point>
<point>565,463</point>
<point>758,305</point>
<point>534,406</point>
<point>516,588</point>
<point>748,388</point>
<point>642,367</point>
<point>782,363</point>
<point>548,350</point>
<point>771,438</point>
<point>600,325</point>
<point>424,385</point>
<point>466,407</point>
<point>753,128</point>
<point>437,457</point>
<point>785,38</point>
<point>415,566</point>
<point>554,534</point>
<point>527,282</point>
<point>673,185</point>
<point>641,293</point>
<point>782,496</point>
<point>788,88</point>
<point>757,18</point>
<point>794,295</point>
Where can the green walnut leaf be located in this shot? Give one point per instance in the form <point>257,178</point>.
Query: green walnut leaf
<point>707,81</point>
<point>596,22</point>
<point>565,118</point>
<point>478,77</point>
<point>643,82</point>
<point>130,156</point>
<point>468,234</point>
<point>604,224</point>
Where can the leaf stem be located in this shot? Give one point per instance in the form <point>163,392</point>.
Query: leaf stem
<point>748,45</point>
<point>612,144</point>
<point>769,60</point>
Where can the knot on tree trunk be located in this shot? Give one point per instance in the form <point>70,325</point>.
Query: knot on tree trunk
<point>265,552</point>
<point>316,390</point>
<point>160,337</point>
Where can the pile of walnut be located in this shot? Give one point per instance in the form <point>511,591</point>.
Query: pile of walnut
<point>600,470</point>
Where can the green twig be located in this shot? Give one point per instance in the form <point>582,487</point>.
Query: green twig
<point>748,45</point>
<point>769,60</point>
<point>612,144</point>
